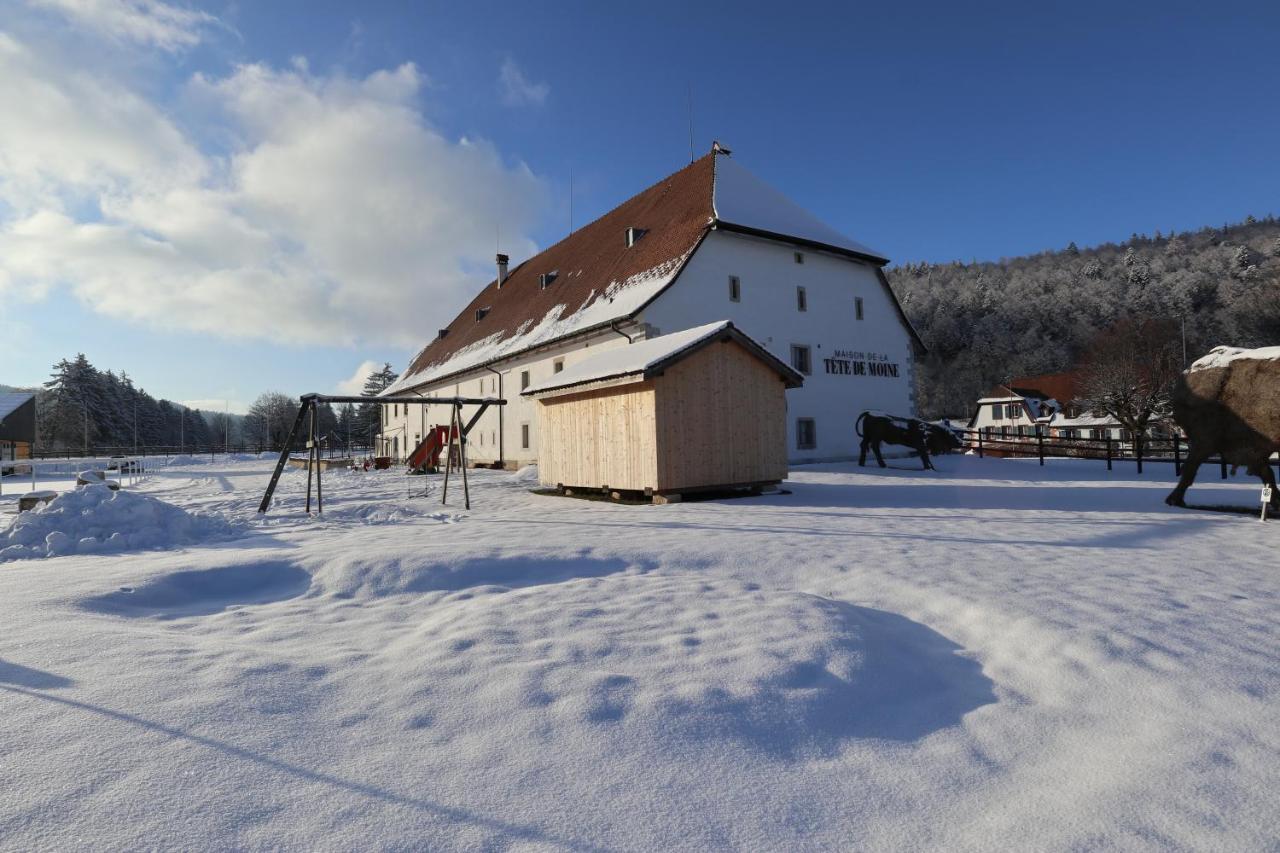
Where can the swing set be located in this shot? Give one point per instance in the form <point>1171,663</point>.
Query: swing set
<point>456,436</point>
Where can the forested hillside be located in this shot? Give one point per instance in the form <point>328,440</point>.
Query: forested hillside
<point>81,406</point>
<point>985,322</point>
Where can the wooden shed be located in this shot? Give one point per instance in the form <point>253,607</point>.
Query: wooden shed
<point>697,410</point>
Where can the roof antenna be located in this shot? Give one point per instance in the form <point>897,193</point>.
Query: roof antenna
<point>690,121</point>
<point>571,201</point>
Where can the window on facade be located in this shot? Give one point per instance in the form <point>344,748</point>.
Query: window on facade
<point>735,289</point>
<point>997,411</point>
<point>802,301</point>
<point>806,434</point>
<point>557,365</point>
<point>857,307</point>
<point>524,379</point>
<point>1015,411</point>
<point>524,436</point>
<point>800,359</point>
<point>799,257</point>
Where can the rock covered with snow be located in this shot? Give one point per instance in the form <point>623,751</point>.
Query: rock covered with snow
<point>1221,356</point>
<point>96,519</point>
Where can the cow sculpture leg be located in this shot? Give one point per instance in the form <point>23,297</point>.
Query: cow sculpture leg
<point>1195,457</point>
<point>875,448</point>
<point>924,457</point>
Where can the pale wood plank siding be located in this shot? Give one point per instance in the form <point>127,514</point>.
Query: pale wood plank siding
<point>740,437</point>
<point>714,418</point>
<point>721,420</point>
<point>598,438</point>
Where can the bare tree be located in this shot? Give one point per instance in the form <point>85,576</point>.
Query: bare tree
<point>270,418</point>
<point>1129,372</point>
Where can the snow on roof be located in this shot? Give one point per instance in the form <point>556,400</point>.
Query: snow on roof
<point>10,401</point>
<point>740,198</point>
<point>1085,421</point>
<point>1223,355</point>
<point>618,301</point>
<point>605,278</point>
<point>629,360</point>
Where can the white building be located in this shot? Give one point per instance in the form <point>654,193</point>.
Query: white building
<point>1050,403</point>
<point>711,242</point>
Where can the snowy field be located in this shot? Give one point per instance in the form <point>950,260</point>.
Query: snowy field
<point>992,656</point>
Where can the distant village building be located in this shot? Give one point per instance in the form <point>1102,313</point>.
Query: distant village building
<point>709,243</point>
<point>1050,403</point>
<point>17,425</point>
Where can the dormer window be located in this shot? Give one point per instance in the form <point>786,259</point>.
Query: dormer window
<point>481,313</point>
<point>634,234</point>
<point>545,280</point>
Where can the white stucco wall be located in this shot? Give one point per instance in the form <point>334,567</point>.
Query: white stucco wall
<point>768,312</point>
<point>483,444</point>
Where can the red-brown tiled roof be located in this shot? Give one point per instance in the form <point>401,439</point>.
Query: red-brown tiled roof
<point>675,213</point>
<point>599,279</point>
<point>1063,387</point>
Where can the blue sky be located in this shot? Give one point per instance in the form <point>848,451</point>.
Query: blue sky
<point>239,197</point>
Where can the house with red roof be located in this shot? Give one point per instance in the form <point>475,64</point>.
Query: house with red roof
<point>709,243</point>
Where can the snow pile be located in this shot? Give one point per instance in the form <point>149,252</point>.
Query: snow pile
<point>1222,356</point>
<point>96,519</point>
<point>527,474</point>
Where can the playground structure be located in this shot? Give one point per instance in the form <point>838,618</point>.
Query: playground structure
<point>450,439</point>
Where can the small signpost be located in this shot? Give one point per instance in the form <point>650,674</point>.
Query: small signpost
<point>1266,501</point>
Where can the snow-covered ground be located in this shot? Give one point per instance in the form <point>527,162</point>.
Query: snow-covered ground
<point>992,656</point>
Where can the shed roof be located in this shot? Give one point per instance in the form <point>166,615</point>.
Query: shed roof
<point>11,400</point>
<point>645,359</point>
<point>596,278</point>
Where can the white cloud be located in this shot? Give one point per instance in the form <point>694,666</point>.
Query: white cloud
<point>339,216</point>
<point>148,22</point>
<point>355,384</point>
<point>516,89</point>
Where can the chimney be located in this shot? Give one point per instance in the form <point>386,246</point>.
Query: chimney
<point>502,269</point>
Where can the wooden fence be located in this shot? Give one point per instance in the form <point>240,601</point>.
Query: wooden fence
<point>1159,450</point>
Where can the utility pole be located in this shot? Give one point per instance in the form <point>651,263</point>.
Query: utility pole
<point>135,426</point>
<point>182,424</point>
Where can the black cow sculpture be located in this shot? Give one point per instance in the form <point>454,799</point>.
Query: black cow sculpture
<point>876,428</point>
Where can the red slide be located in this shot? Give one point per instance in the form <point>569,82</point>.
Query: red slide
<point>427,453</point>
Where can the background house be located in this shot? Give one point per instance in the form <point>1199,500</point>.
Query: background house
<point>17,425</point>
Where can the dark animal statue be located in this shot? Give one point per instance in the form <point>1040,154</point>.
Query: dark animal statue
<point>924,438</point>
<point>1228,403</point>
